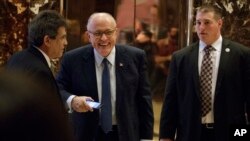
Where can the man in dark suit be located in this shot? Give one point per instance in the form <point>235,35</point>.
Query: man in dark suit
<point>80,79</point>
<point>47,40</point>
<point>183,117</point>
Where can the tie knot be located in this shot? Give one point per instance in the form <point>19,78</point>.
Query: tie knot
<point>208,49</point>
<point>105,61</point>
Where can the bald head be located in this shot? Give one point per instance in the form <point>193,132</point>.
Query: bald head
<point>100,17</point>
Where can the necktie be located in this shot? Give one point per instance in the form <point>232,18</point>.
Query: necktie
<point>106,111</point>
<point>206,81</point>
<point>52,67</point>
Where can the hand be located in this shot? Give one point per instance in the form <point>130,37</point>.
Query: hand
<point>162,59</point>
<point>166,140</point>
<point>79,104</point>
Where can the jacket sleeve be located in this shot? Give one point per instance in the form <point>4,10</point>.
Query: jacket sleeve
<point>146,116</point>
<point>168,121</point>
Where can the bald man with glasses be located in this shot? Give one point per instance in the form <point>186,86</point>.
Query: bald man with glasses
<point>113,75</point>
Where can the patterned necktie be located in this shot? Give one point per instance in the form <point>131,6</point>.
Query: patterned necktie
<point>52,67</point>
<point>106,109</point>
<point>206,81</point>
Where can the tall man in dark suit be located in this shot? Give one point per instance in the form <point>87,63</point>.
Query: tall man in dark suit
<point>47,40</point>
<point>183,114</point>
<point>80,80</point>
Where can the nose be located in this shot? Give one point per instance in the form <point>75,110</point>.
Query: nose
<point>199,28</point>
<point>103,36</point>
<point>66,42</point>
<point>202,26</point>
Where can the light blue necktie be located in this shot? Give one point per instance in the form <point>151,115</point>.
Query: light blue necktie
<point>106,109</point>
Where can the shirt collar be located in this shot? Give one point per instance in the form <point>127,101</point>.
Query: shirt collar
<point>216,45</point>
<point>45,56</point>
<point>110,57</point>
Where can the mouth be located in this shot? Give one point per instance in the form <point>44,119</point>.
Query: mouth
<point>202,33</point>
<point>103,44</point>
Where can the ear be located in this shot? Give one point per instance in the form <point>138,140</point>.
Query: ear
<point>220,22</point>
<point>87,33</point>
<point>46,40</point>
<point>117,31</point>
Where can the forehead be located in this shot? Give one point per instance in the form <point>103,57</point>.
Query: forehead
<point>205,16</point>
<point>102,23</point>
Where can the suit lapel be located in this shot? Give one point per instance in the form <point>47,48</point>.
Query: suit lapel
<point>40,56</point>
<point>225,55</point>
<point>89,70</point>
<point>121,64</point>
<point>194,67</point>
<point>46,67</point>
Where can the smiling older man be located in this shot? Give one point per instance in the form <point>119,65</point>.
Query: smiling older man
<point>115,76</point>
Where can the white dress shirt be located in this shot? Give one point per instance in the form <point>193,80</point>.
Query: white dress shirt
<point>217,45</point>
<point>99,68</point>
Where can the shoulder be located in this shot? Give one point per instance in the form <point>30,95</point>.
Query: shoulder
<point>233,44</point>
<point>194,47</point>
<point>28,59</point>
<point>129,49</point>
<point>23,58</point>
<point>130,54</point>
<point>20,54</point>
<point>81,51</point>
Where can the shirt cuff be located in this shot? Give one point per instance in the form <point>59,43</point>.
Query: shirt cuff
<point>69,100</point>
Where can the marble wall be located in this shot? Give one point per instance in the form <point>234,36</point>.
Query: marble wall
<point>15,15</point>
<point>14,18</point>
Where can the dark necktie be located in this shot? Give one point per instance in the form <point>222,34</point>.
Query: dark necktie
<point>106,109</point>
<point>206,81</point>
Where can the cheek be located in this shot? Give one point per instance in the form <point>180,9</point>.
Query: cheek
<point>92,41</point>
<point>113,40</point>
<point>214,29</point>
<point>62,44</point>
<point>196,27</point>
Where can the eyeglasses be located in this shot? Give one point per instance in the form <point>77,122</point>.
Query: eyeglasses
<point>99,34</point>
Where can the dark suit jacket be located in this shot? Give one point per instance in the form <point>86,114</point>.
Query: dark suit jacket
<point>182,107</point>
<point>133,99</point>
<point>32,63</point>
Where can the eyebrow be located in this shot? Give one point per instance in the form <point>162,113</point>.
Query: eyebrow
<point>103,30</point>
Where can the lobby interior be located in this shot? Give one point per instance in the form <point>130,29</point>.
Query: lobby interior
<point>131,16</point>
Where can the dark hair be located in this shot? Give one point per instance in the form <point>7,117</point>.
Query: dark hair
<point>45,23</point>
<point>147,33</point>
<point>210,8</point>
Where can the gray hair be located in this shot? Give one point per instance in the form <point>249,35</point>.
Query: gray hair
<point>100,15</point>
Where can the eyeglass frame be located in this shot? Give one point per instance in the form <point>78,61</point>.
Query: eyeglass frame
<point>99,34</point>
